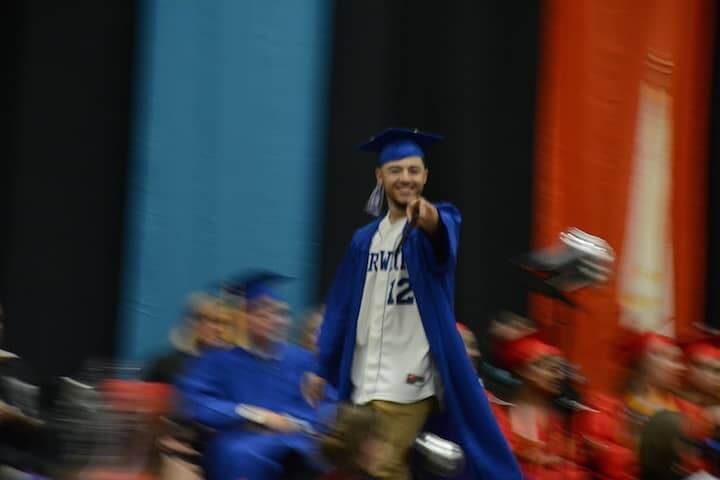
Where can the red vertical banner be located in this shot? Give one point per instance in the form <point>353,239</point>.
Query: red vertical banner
<point>620,155</point>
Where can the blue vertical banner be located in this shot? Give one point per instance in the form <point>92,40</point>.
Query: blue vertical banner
<point>228,148</point>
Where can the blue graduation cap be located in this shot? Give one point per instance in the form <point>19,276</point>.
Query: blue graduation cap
<point>253,285</point>
<point>396,143</point>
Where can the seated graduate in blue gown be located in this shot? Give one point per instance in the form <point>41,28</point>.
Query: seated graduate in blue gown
<point>251,397</point>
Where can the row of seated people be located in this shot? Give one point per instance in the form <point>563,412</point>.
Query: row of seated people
<point>664,425</point>
<point>238,381</point>
<point>658,428</point>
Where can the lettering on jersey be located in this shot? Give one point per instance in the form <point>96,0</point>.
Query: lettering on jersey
<point>400,294</point>
<point>399,290</point>
<point>386,261</point>
<point>372,262</point>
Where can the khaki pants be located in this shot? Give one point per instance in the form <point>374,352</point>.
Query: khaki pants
<point>175,469</point>
<point>401,424</point>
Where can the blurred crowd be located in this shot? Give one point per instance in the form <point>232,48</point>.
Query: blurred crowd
<point>661,423</point>
<point>229,392</point>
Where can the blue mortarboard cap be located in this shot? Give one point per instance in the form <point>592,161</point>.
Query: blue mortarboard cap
<point>253,285</point>
<point>397,143</point>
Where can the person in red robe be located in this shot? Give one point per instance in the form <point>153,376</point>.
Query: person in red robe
<point>655,369</point>
<point>702,388</point>
<point>545,441</point>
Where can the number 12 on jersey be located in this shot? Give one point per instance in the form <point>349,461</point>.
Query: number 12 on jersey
<point>400,293</point>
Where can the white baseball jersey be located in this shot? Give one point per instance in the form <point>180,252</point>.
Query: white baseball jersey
<point>392,357</point>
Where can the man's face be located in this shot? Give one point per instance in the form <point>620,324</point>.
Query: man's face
<point>546,374</point>
<point>212,326</point>
<point>664,366</point>
<point>268,320</point>
<point>403,179</point>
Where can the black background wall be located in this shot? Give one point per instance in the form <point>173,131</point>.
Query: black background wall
<point>68,86</point>
<point>464,69</point>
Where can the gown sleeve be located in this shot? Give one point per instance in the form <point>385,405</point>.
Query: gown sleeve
<point>202,394</point>
<point>441,252</point>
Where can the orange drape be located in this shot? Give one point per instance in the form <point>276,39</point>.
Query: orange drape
<point>592,63</point>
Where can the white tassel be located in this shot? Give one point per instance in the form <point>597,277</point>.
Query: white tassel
<point>374,204</point>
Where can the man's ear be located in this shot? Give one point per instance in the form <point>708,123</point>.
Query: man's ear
<point>378,174</point>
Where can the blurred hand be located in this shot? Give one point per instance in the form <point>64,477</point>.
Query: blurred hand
<point>276,422</point>
<point>423,214</point>
<point>313,388</point>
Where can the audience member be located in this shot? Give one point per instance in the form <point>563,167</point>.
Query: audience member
<point>251,396</point>
<point>656,370</point>
<point>208,323</point>
<point>544,441</point>
<point>703,376</point>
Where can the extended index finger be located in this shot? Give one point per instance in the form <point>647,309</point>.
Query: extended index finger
<point>413,210</point>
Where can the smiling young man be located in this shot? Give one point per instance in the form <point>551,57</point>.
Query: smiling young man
<point>389,338</point>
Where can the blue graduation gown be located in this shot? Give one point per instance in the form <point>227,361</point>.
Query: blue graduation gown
<point>466,415</point>
<point>214,384</point>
